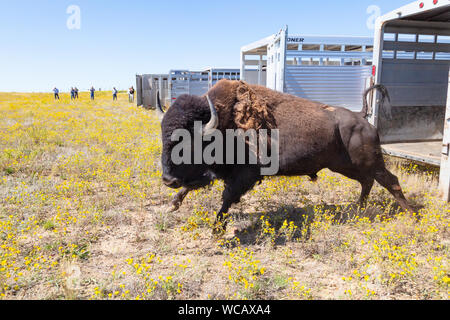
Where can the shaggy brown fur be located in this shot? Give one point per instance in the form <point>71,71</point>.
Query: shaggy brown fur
<point>251,111</point>
<point>245,106</point>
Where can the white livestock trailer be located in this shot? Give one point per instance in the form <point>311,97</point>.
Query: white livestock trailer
<point>333,70</point>
<point>197,82</point>
<point>147,87</point>
<point>412,59</point>
<point>177,83</point>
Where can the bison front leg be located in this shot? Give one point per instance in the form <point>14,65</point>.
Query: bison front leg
<point>235,188</point>
<point>181,195</point>
<point>178,199</point>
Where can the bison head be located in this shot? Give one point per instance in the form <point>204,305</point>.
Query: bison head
<point>182,115</point>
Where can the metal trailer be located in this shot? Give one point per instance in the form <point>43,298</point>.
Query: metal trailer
<point>197,82</point>
<point>333,70</point>
<point>187,82</point>
<point>412,59</point>
<point>216,74</point>
<point>147,87</point>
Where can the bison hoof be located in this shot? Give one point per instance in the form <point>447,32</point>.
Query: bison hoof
<point>219,231</point>
<point>171,208</point>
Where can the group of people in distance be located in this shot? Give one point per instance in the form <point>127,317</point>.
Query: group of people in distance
<point>74,93</point>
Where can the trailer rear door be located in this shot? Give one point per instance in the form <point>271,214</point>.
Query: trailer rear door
<point>178,84</point>
<point>139,99</point>
<point>276,61</point>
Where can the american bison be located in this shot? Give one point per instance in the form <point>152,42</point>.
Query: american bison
<point>312,137</point>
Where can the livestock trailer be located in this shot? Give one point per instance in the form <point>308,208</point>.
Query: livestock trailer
<point>412,59</point>
<point>197,82</point>
<point>333,70</point>
<point>147,87</point>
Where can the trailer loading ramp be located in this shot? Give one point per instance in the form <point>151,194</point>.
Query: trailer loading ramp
<point>424,152</point>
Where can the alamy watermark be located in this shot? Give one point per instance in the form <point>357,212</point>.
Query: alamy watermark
<point>74,20</point>
<point>374,12</point>
<point>233,144</point>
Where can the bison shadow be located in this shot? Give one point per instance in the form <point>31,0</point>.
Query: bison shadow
<point>252,232</point>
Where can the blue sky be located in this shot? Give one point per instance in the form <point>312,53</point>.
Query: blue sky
<point>118,39</point>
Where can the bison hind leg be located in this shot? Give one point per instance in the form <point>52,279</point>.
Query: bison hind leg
<point>391,183</point>
<point>367,185</point>
<point>366,180</point>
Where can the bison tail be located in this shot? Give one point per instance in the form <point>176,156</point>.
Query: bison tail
<point>384,94</point>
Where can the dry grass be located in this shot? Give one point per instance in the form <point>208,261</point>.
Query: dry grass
<point>82,217</point>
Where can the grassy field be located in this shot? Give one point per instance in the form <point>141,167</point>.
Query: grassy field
<point>82,216</point>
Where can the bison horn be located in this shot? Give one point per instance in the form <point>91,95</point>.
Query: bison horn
<point>213,124</point>
<point>159,109</point>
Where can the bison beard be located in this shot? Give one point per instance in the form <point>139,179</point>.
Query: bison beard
<point>313,137</point>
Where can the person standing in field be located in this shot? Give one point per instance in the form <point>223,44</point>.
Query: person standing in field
<point>114,93</point>
<point>72,93</point>
<point>76,93</point>
<point>92,90</point>
<point>131,94</point>
<point>56,91</point>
